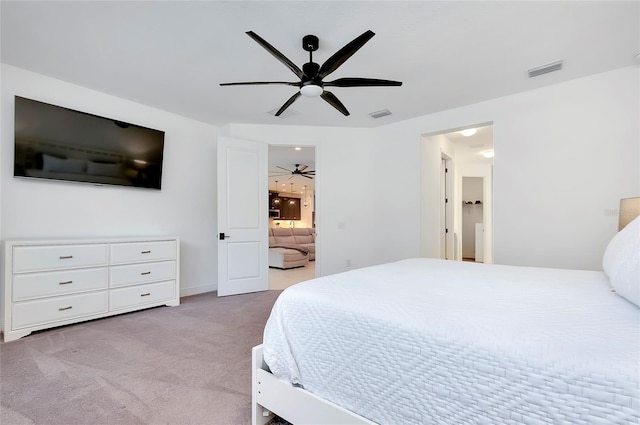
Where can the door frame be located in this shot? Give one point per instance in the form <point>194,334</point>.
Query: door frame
<point>447,208</point>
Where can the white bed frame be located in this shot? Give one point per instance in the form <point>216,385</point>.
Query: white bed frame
<point>272,396</point>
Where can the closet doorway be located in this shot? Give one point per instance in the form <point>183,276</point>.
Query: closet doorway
<point>472,231</point>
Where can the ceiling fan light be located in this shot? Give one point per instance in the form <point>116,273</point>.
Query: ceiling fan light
<point>311,90</point>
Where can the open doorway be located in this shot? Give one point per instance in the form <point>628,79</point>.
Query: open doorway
<point>457,154</point>
<point>292,215</point>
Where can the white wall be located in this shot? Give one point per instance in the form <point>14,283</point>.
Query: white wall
<point>569,160</point>
<point>565,155</point>
<point>185,207</point>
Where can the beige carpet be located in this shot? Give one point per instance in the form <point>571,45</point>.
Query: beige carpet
<point>168,365</point>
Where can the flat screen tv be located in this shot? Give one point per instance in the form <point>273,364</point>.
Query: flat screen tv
<point>56,143</point>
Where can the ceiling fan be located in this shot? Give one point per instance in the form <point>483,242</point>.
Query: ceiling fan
<point>312,75</point>
<point>299,171</point>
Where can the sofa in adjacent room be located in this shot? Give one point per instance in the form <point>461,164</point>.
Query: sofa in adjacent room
<point>291,247</point>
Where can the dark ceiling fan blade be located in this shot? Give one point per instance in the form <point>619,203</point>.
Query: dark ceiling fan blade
<point>309,177</point>
<point>361,82</point>
<point>333,101</point>
<point>288,103</point>
<point>343,54</point>
<point>282,58</point>
<point>255,83</point>
<point>282,168</point>
<point>304,167</point>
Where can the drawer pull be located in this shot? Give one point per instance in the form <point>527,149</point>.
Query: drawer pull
<point>66,257</point>
<point>145,295</point>
<point>65,283</point>
<point>65,308</point>
<point>143,273</point>
<point>145,252</point>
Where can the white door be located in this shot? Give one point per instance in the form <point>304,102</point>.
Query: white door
<point>242,216</point>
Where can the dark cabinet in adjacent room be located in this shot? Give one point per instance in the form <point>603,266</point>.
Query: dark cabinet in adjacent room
<point>291,209</point>
<point>287,208</point>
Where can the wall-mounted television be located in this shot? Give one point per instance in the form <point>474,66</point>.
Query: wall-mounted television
<point>57,143</point>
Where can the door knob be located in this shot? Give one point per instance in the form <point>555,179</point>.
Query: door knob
<point>223,236</point>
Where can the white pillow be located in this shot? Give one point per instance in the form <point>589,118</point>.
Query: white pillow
<point>621,262</point>
<point>100,169</point>
<point>61,165</point>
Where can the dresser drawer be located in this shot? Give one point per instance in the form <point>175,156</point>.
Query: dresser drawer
<point>51,310</point>
<point>135,252</point>
<point>53,257</point>
<point>38,285</point>
<point>141,273</point>
<point>141,294</point>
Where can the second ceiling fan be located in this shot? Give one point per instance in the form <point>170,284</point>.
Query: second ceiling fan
<point>312,75</point>
<point>299,171</point>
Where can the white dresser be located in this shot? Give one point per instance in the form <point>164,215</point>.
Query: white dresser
<point>51,283</point>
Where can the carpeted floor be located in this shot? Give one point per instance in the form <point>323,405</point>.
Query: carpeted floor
<point>186,365</point>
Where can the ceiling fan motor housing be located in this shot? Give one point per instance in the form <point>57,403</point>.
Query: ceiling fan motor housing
<point>310,70</point>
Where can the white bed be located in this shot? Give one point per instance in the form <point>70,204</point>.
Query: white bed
<point>435,341</point>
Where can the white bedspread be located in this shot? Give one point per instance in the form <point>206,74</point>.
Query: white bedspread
<point>432,341</point>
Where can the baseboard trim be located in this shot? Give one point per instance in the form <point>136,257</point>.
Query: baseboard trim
<point>195,290</point>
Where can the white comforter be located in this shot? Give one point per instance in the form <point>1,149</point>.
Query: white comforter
<point>434,341</point>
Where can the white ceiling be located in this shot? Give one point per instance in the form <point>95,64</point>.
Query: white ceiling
<point>469,149</point>
<point>173,55</point>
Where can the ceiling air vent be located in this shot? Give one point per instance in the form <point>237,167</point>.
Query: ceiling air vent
<point>545,69</point>
<point>380,114</point>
